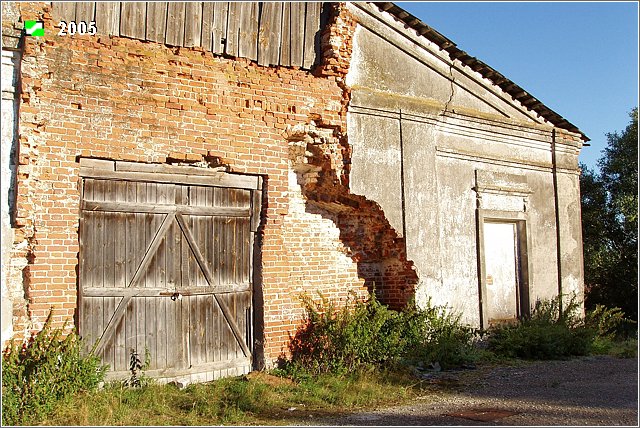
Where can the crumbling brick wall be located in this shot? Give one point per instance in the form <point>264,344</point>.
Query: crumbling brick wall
<point>122,99</point>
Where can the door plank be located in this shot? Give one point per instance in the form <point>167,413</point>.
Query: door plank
<point>225,310</point>
<point>109,238</point>
<point>193,24</point>
<point>175,24</point>
<point>185,355</point>
<point>152,326</point>
<point>219,36</point>
<point>120,236</point>
<point>270,33</point>
<point>98,234</point>
<point>121,358</point>
<point>131,245</point>
<point>210,331</point>
<point>156,21</point>
<point>132,207</point>
<point>184,246</point>
<point>165,292</point>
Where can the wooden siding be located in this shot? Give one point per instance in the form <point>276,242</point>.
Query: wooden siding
<point>271,33</point>
<point>166,268</point>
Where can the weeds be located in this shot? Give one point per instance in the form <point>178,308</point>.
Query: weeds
<point>366,334</point>
<point>137,368</point>
<point>352,357</point>
<point>547,334</point>
<point>244,400</point>
<point>39,374</point>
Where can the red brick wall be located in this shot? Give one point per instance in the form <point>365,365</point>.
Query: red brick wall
<point>123,99</point>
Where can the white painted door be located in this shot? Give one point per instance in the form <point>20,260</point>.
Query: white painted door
<point>501,271</point>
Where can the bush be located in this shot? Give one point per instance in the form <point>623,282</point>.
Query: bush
<point>436,335</point>
<point>546,334</point>
<point>39,373</point>
<point>609,323</point>
<point>336,340</point>
<point>367,334</point>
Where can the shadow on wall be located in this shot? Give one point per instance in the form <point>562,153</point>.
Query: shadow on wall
<point>371,242</point>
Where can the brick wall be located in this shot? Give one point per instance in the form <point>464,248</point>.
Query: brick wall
<point>123,99</point>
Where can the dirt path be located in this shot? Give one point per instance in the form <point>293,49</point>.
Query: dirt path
<point>585,391</point>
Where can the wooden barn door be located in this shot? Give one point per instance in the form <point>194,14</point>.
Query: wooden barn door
<point>166,269</point>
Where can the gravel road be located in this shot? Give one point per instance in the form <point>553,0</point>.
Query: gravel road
<point>591,391</point>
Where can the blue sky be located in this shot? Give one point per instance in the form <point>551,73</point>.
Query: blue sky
<point>579,58</point>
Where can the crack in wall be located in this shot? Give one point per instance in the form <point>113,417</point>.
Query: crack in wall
<point>446,105</point>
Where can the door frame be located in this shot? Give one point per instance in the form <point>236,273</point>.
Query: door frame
<point>520,219</point>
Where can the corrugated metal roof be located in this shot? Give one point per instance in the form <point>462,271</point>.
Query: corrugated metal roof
<point>518,94</point>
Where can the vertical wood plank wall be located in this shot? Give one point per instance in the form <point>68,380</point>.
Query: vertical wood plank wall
<point>271,33</point>
<point>117,235</point>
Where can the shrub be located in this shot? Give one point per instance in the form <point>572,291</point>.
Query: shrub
<point>340,340</point>
<point>609,323</point>
<point>46,369</point>
<point>367,334</point>
<point>437,335</point>
<point>546,334</point>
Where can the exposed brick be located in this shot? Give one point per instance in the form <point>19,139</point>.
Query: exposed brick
<point>144,102</point>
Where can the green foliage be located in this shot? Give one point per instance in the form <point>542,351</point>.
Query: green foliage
<point>609,323</point>
<point>547,334</point>
<point>367,334</point>
<point>610,223</point>
<point>339,340</point>
<point>255,399</point>
<point>138,379</point>
<point>40,373</point>
<point>435,334</point>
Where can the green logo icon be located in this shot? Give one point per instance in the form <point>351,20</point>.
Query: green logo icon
<point>34,28</point>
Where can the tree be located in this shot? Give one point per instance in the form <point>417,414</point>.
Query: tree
<point>610,223</point>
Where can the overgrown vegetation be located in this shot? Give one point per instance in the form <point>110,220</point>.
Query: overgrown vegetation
<point>553,334</point>
<point>343,358</point>
<point>39,374</point>
<point>547,334</point>
<point>366,334</point>
<point>614,332</point>
<point>255,399</point>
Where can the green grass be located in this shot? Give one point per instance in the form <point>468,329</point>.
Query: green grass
<point>623,348</point>
<point>345,362</point>
<point>257,400</point>
<point>262,398</point>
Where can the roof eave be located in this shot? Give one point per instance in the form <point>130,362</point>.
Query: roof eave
<point>516,92</point>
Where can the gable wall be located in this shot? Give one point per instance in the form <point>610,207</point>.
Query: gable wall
<point>431,126</point>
